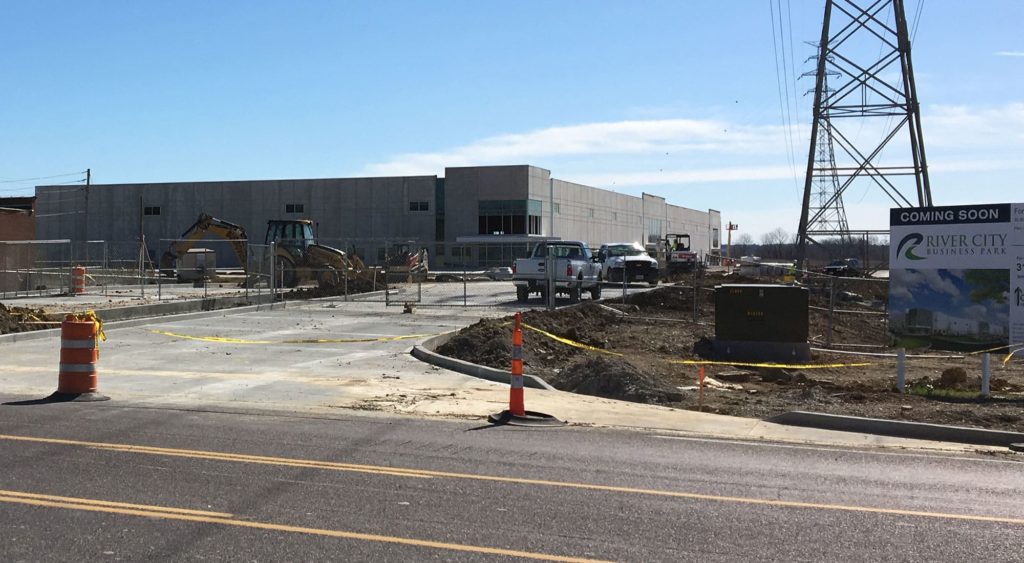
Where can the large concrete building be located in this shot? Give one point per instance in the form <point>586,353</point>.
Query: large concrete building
<point>481,215</point>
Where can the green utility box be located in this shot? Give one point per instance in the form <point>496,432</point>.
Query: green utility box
<point>761,321</point>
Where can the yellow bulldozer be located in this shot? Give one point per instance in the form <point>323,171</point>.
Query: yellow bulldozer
<point>297,256</point>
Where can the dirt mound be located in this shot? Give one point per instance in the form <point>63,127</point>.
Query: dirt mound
<point>355,286</point>
<point>488,343</point>
<point>21,319</point>
<point>665,298</point>
<point>588,324</point>
<point>614,378</point>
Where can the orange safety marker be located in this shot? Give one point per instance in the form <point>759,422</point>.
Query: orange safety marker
<point>79,351</point>
<point>517,414</point>
<point>77,280</point>
<point>515,392</point>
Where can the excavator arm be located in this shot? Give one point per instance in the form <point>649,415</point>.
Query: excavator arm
<point>234,234</point>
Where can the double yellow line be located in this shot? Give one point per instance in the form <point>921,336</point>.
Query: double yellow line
<point>423,473</point>
<point>181,514</point>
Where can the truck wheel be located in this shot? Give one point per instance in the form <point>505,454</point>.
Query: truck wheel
<point>522,293</point>
<point>574,294</point>
<point>653,280</point>
<point>595,292</point>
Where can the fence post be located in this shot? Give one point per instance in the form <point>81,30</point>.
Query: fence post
<point>985,375</point>
<point>273,277</point>
<point>901,369</point>
<point>624,283</point>
<point>831,310</point>
<point>549,278</point>
<point>465,298</point>
<point>695,311</point>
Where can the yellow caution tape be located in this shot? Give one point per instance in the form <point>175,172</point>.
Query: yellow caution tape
<point>1007,346</point>
<point>766,364</point>
<point>1010,355</point>
<point>89,316</point>
<point>695,362</point>
<point>571,342</point>
<point>227,340</point>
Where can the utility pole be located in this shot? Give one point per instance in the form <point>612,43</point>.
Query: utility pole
<point>729,229</point>
<point>874,89</point>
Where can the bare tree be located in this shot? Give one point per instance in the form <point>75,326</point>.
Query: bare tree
<point>742,245</point>
<point>774,243</point>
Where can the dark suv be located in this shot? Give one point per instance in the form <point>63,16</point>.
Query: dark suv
<point>845,267</point>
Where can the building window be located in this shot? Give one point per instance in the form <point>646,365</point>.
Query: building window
<point>653,230</point>
<point>508,217</point>
<point>590,212</point>
<point>419,206</point>
<point>295,208</point>
<point>151,210</point>
<point>714,238</point>
<point>557,207</point>
<point>381,254</point>
<point>615,215</point>
<point>534,226</point>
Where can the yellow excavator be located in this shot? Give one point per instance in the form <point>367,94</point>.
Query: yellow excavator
<point>234,234</point>
<point>297,255</point>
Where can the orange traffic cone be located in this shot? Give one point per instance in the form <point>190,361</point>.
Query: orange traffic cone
<point>517,413</point>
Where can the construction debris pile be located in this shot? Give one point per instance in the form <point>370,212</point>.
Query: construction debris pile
<point>22,319</point>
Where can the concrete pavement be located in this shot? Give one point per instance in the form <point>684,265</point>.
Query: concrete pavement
<point>321,356</point>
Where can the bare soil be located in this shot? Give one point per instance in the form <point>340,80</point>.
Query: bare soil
<point>22,319</point>
<point>651,330</point>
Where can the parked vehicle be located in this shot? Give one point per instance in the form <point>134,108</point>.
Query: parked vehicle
<point>627,261</point>
<point>845,267</point>
<point>575,270</point>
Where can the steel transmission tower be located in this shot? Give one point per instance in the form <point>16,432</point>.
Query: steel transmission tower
<point>872,101</point>
<point>826,201</point>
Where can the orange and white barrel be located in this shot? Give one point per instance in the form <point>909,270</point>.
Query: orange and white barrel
<point>79,351</point>
<point>77,280</point>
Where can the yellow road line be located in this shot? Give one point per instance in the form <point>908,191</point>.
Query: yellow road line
<point>228,340</point>
<point>219,456</point>
<point>109,504</point>
<point>158,512</point>
<point>404,472</point>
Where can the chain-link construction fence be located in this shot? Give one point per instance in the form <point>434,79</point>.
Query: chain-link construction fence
<point>844,302</point>
<point>34,267</point>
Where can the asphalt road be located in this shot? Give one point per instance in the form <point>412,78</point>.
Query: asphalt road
<point>114,482</point>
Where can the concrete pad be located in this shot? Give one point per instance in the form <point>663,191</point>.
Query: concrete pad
<point>267,360</point>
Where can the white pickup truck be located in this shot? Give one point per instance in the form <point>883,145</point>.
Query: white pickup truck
<point>575,270</point>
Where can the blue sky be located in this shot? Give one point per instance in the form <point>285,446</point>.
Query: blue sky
<point>680,99</point>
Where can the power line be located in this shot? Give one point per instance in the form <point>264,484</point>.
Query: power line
<point>783,101</point>
<point>10,181</point>
<point>21,188</point>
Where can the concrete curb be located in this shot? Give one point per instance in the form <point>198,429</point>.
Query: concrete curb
<point>147,314</point>
<point>425,353</point>
<point>899,428</point>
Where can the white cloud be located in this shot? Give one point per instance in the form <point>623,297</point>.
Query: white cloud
<point>1010,53</point>
<point>620,153</point>
<point>960,127</point>
<point>639,137</point>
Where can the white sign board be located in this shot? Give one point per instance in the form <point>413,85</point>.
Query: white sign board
<point>956,276</point>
